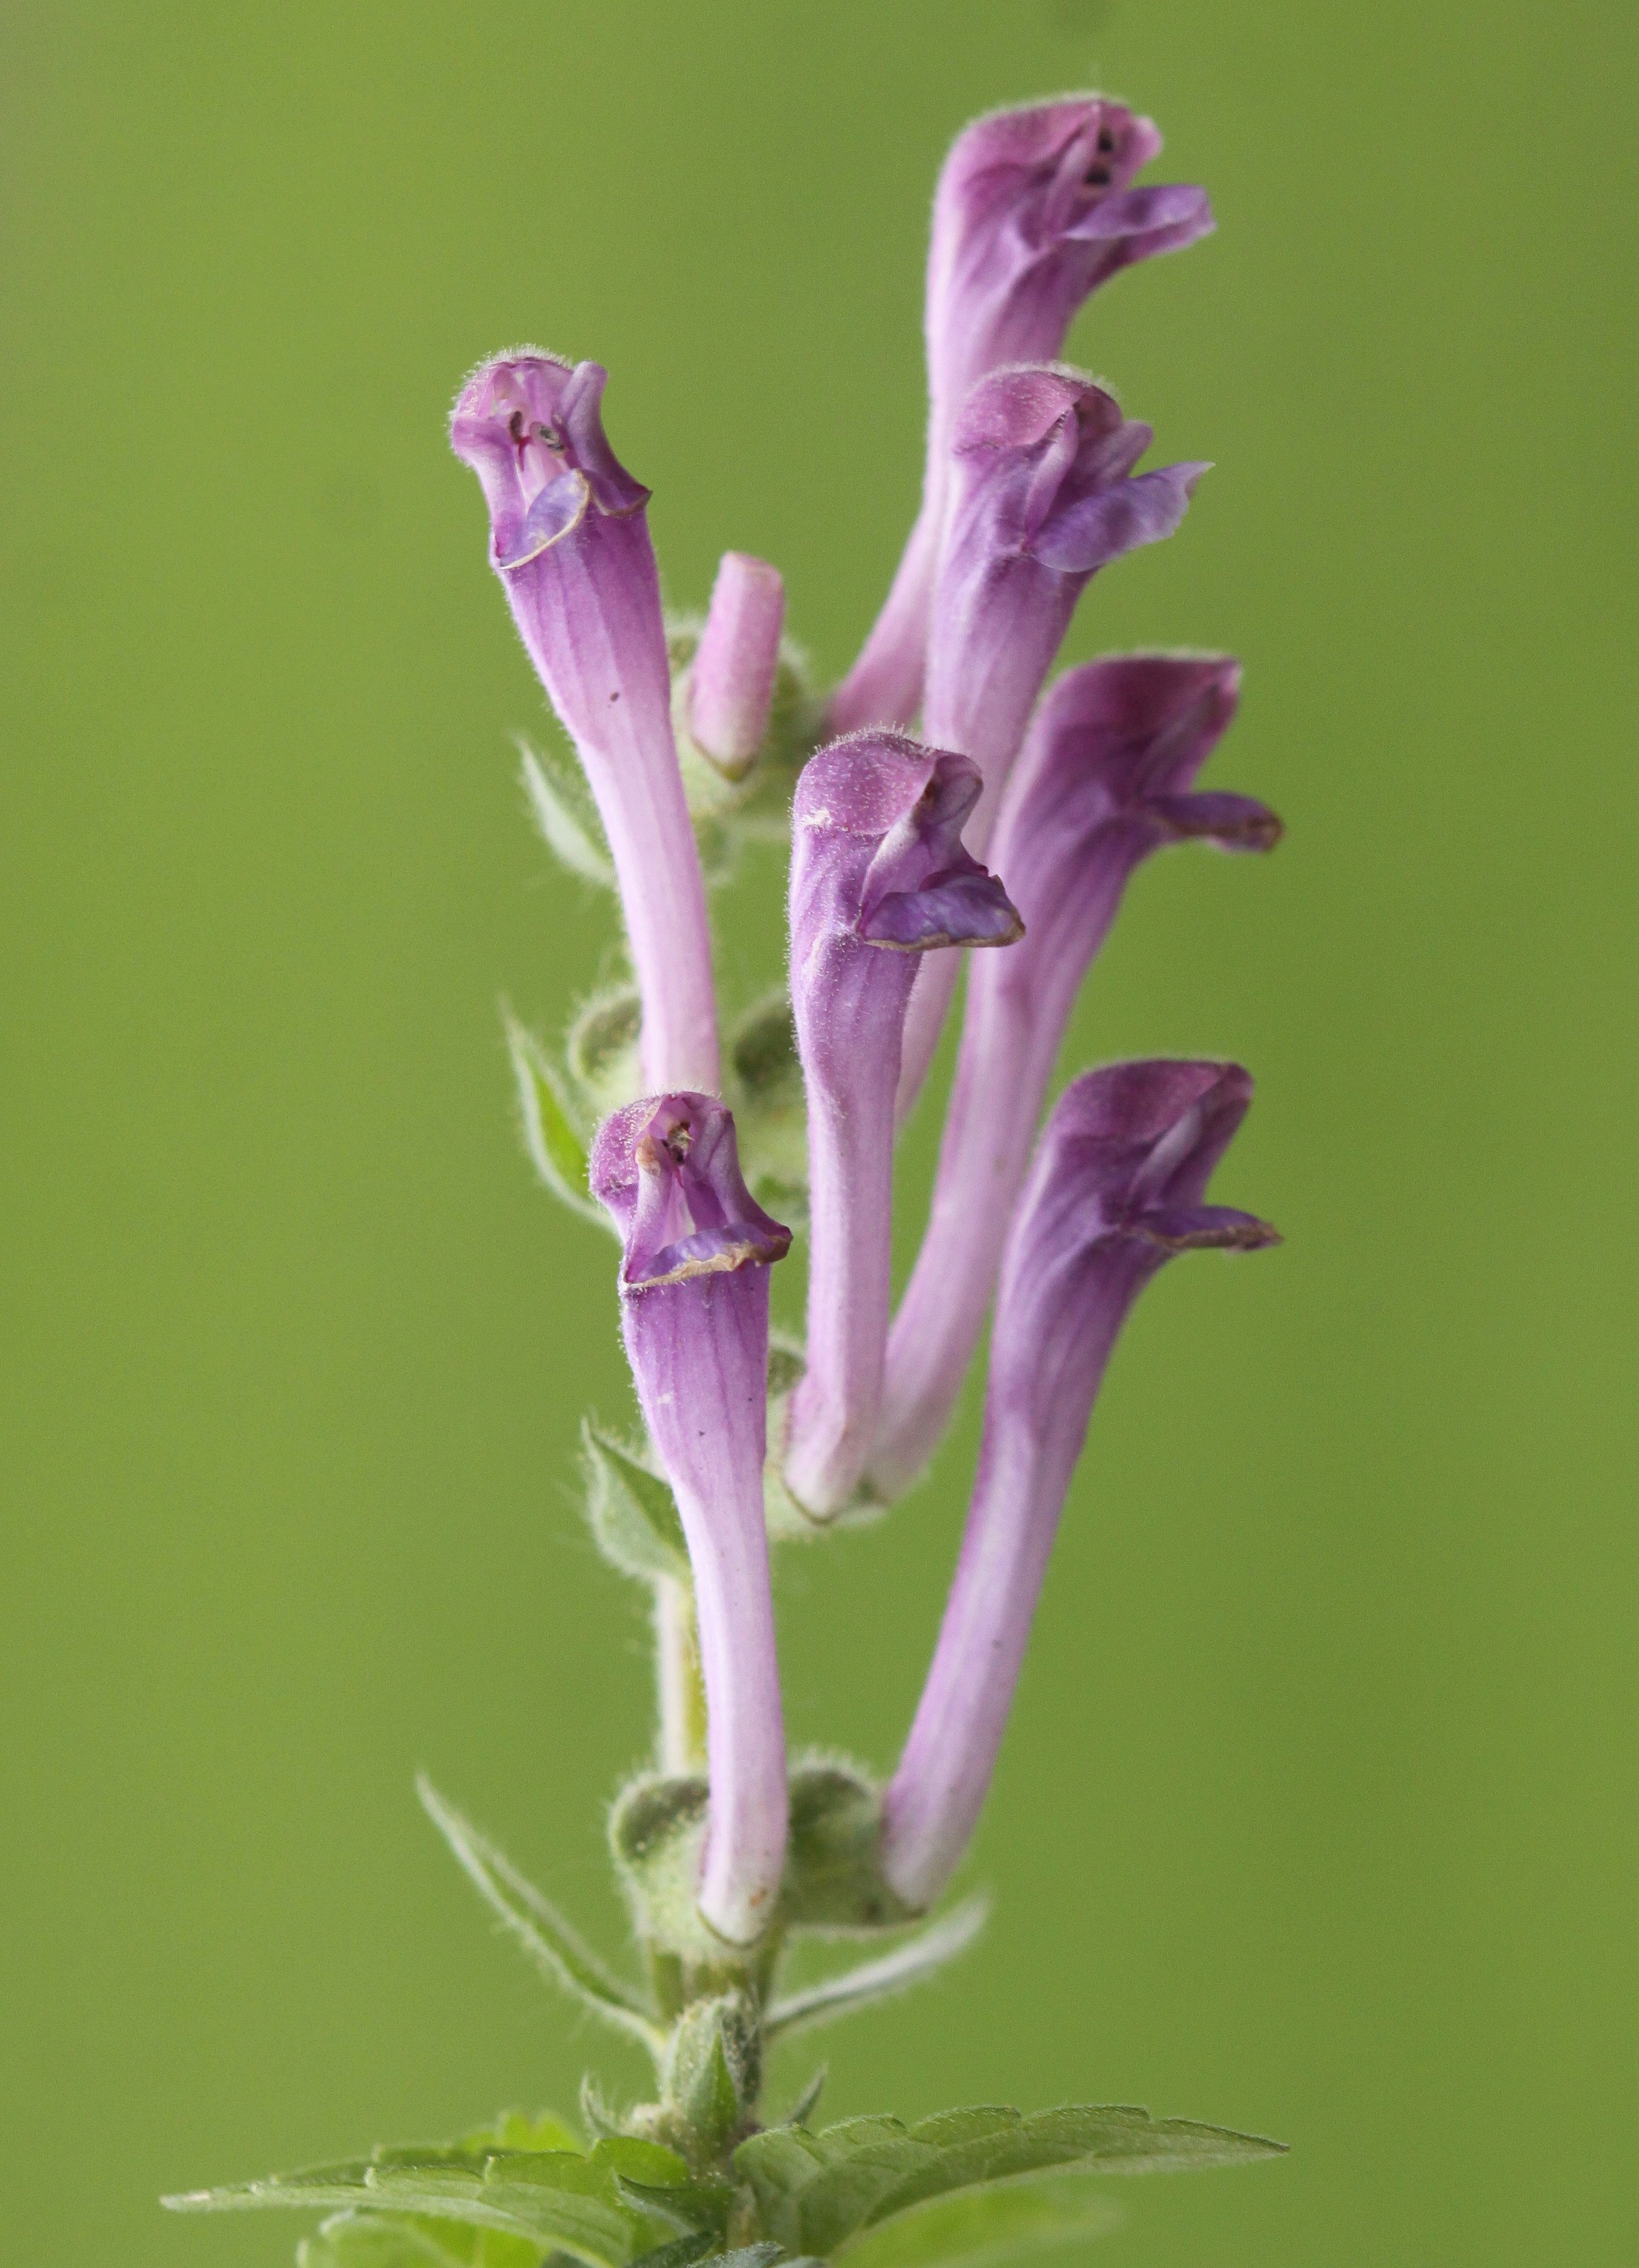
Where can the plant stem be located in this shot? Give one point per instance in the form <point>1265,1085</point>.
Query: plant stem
<point>677,1678</point>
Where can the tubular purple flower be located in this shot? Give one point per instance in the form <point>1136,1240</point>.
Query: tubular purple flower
<point>1101,783</point>
<point>569,540</point>
<point>879,876</point>
<point>1034,210</point>
<point>694,1313</point>
<point>1044,494</point>
<point>731,683</point>
<point>1115,1190</point>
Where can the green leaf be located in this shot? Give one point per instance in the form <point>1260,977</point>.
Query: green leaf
<point>680,2252</point>
<point>556,1149</point>
<point>491,2249</point>
<point>714,2069</point>
<point>920,1957</point>
<point>523,2130</point>
<point>703,2202</point>
<point>814,2190</point>
<point>576,2203</point>
<point>628,2158</point>
<point>557,2200</point>
<point>632,1512</point>
<point>561,804</point>
<point>379,2240</point>
<point>596,2116</point>
<point>996,2222</point>
<point>557,1948</point>
<point>364,2239</point>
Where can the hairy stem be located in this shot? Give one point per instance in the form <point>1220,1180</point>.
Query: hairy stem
<point>677,1677</point>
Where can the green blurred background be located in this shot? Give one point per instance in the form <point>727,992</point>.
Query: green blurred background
<point>1318,1812</point>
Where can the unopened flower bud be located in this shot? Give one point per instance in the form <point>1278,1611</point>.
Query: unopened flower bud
<point>731,680</point>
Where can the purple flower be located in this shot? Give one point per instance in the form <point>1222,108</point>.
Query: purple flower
<point>1115,1190</point>
<point>694,1313</point>
<point>731,684</point>
<point>1044,494</point>
<point>1102,781</point>
<point>569,540</point>
<point>1034,211</point>
<point>878,877</point>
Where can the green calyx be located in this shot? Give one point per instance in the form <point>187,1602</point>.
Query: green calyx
<point>707,2010</point>
<point>833,1883</point>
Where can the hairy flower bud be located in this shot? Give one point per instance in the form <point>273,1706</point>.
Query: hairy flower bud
<point>569,540</point>
<point>694,1313</point>
<point>1034,209</point>
<point>731,680</point>
<point>1103,782</point>
<point>1114,1192</point>
<point>1045,493</point>
<point>879,876</point>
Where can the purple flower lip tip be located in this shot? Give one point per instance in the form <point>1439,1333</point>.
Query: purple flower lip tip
<point>667,1168</point>
<point>1045,456</point>
<point>922,890</point>
<point>1205,1228</point>
<point>1168,710</point>
<point>1233,822</point>
<point>971,916</point>
<point>1063,170</point>
<point>530,425</point>
<point>1144,1138</point>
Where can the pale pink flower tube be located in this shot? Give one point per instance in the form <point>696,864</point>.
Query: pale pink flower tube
<point>569,540</point>
<point>1114,1192</point>
<point>1103,782</point>
<point>879,878</point>
<point>694,1313</point>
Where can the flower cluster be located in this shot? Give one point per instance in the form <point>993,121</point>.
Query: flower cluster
<point>1011,820</point>
<point>1032,486</point>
